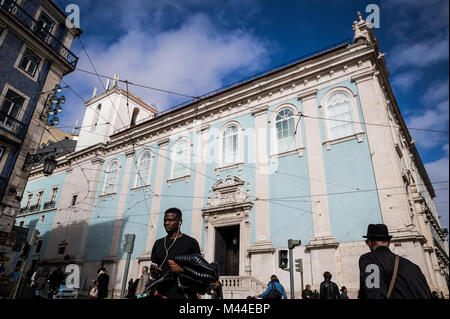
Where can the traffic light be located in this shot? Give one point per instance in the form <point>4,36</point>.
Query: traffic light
<point>25,251</point>
<point>33,238</point>
<point>299,265</point>
<point>129,243</point>
<point>283,259</point>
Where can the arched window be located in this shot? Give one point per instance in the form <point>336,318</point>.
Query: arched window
<point>134,116</point>
<point>285,125</point>
<point>97,111</point>
<point>339,115</point>
<point>111,177</point>
<point>180,160</point>
<point>143,170</point>
<point>230,145</point>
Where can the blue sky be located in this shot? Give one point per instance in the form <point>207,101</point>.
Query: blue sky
<point>195,46</point>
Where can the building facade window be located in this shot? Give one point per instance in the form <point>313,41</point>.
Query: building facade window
<point>285,126</point>
<point>53,194</point>
<point>11,108</point>
<point>111,178</point>
<point>96,116</point>
<point>339,115</point>
<point>339,108</point>
<point>39,199</point>
<point>74,200</point>
<point>230,145</point>
<point>21,223</point>
<point>44,27</point>
<point>28,202</point>
<point>143,170</point>
<point>2,151</point>
<point>29,62</point>
<point>134,116</point>
<point>181,159</point>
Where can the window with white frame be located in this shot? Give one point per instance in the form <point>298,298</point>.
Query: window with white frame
<point>143,170</point>
<point>230,146</point>
<point>339,115</point>
<point>30,62</point>
<point>285,126</point>
<point>11,108</point>
<point>28,202</point>
<point>180,160</point>
<point>111,178</point>
<point>53,194</point>
<point>39,198</point>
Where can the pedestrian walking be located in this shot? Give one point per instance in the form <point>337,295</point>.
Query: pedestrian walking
<point>307,292</point>
<point>329,289</point>
<point>344,293</point>
<point>55,281</point>
<point>102,283</point>
<point>385,275</point>
<point>131,292</point>
<point>12,281</point>
<point>2,270</point>
<point>40,279</point>
<point>275,290</point>
<point>163,253</point>
<point>143,281</point>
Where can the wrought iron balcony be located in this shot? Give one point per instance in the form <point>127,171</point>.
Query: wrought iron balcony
<point>49,205</point>
<point>34,208</point>
<point>22,211</point>
<point>11,125</point>
<point>26,20</point>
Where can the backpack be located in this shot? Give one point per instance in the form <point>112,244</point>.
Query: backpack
<point>274,293</point>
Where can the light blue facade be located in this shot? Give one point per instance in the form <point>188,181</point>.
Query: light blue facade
<point>43,219</point>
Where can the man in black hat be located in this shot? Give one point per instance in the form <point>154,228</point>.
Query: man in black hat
<point>384,275</point>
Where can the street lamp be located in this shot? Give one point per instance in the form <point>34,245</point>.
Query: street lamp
<point>55,105</point>
<point>49,163</point>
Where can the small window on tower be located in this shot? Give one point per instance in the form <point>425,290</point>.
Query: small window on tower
<point>74,200</point>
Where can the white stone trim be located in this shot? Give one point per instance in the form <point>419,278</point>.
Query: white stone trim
<point>298,139</point>
<point>136,176</point>
<point>4,33</point>
<point>187,165</point>
<point>38,69</point>
<point>103,194</point>
<point>240,155</point>
<point>25,104</point>
<point>357,129</point>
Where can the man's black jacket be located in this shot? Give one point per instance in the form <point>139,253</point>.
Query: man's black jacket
<point>410,282</point>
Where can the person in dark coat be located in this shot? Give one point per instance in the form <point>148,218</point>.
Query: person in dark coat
<point>102,283</point>
<point>40,278</point>
<point>435,295</point>
<point>56,279</point>
<point>215,290</point>
<point>307,293</point>
<point>329,289</point>
<point>377,268</point>
<point>344,293</point>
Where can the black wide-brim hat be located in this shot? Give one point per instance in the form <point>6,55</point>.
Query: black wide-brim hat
<point>377,231</point>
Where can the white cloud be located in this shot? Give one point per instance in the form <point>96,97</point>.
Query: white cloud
<point>420,54</point>
<point>404,81</point>
<point>436,93</point>
<point>191,59</point>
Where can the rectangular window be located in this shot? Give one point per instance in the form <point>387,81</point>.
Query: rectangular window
<point>30,62</point>
<point>44,27</point>
<point>61,250</point>
<point>42,218</point>
<point>74,200</point>
<point>38,247</point>
<point>53,194</point>
<point>11,108</point>
<point>39,199</point>
<point>28,202</point>
<point>21,223</point>
<point>2,151</point>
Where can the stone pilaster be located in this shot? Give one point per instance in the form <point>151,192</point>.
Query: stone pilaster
<point>156,199</point>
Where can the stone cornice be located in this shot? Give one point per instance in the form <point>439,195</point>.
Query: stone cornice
<point>260,111</point>
<point>308,95</point>
<point>366,76</point>
<point>163,141</point>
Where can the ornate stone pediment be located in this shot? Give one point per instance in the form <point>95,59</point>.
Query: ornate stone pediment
<point>228,192</point>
